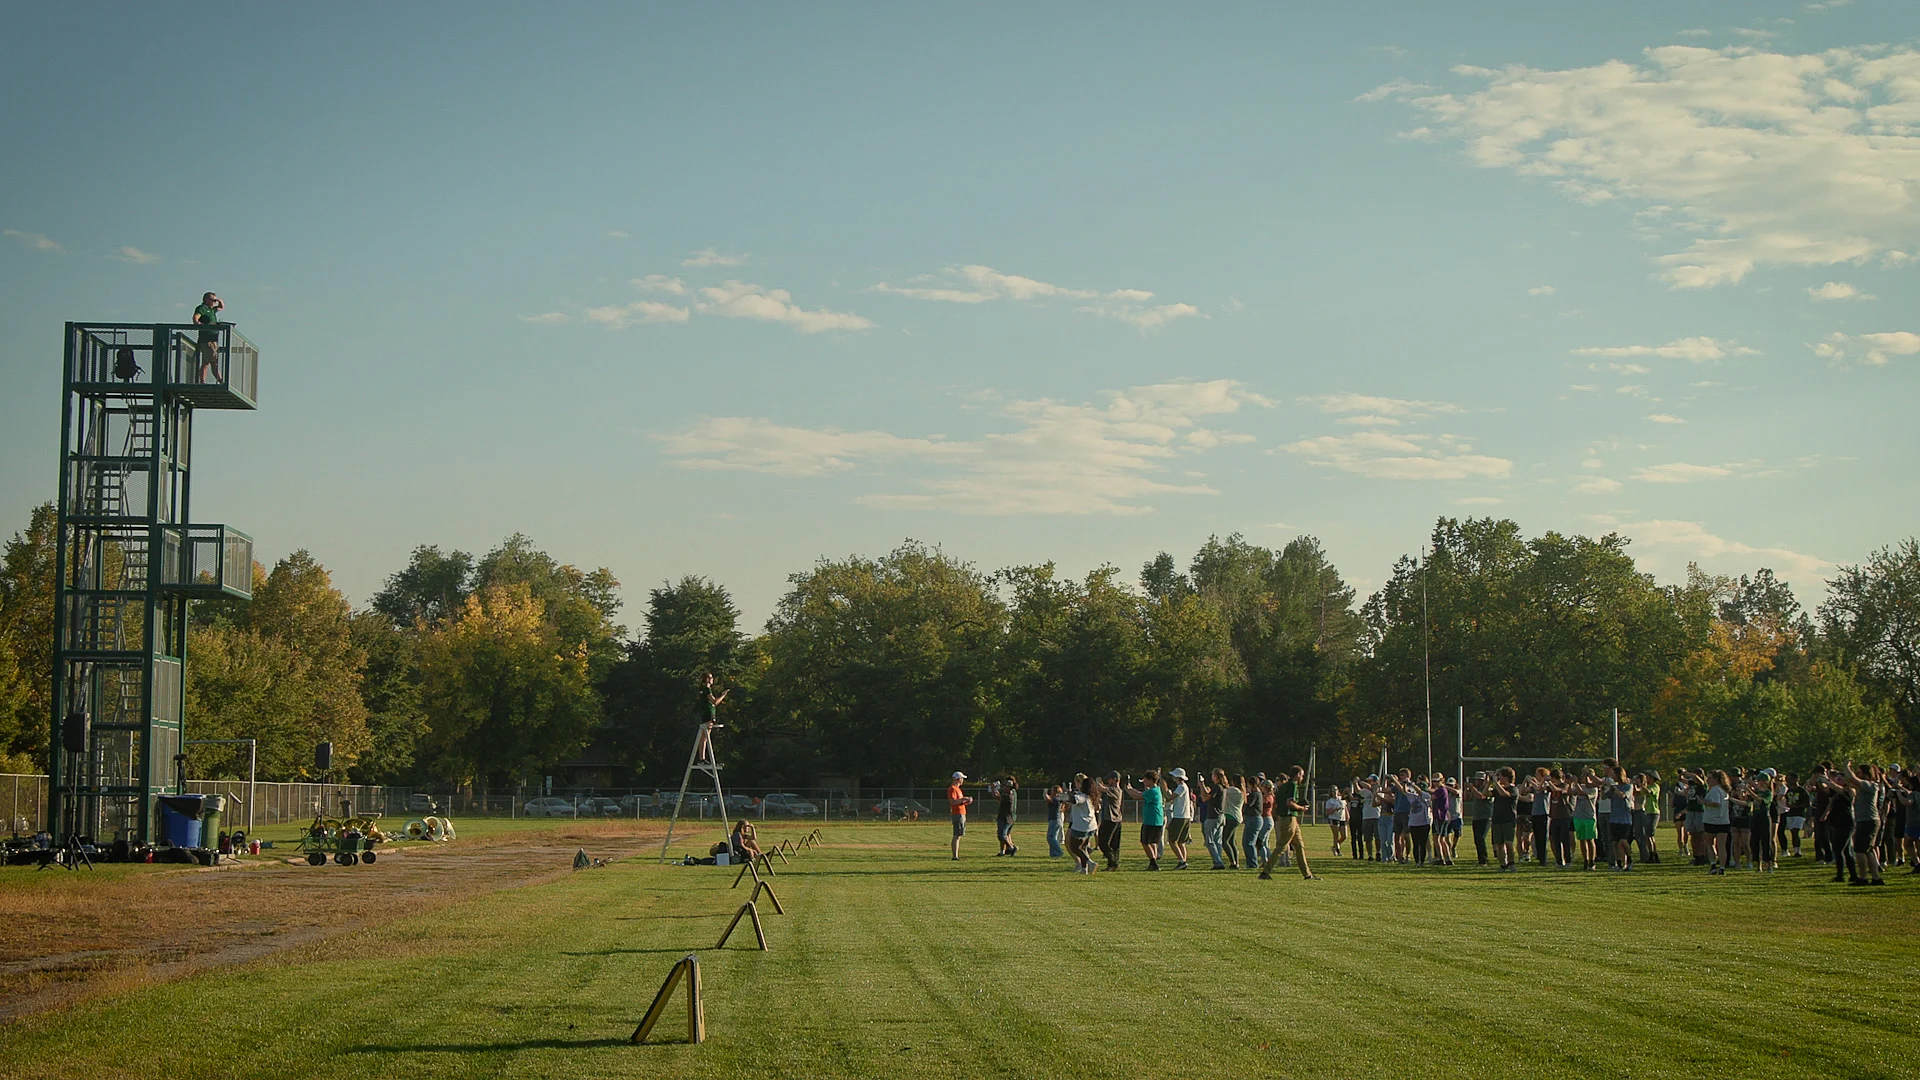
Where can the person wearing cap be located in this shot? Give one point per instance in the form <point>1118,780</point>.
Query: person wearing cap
<point>1179,815</point>
<point>1477,802</point>
<point>1366,839</point>
<point>1288,805</point>
<point>1112,816</point>
<point>957,804</point>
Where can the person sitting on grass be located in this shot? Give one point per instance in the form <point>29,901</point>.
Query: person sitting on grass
<point>745,841</point>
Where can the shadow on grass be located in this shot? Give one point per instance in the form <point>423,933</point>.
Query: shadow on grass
<point>485,1048</point>
<point>682,950</point>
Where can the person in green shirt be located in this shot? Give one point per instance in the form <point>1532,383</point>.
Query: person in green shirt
<point>1288,805</point>
<point>207,315</point>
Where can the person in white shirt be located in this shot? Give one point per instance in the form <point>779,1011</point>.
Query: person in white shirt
<point>1336,808</point>
<point>1717,818</point>
<point>1081,824</point>
<point>1179,815</point>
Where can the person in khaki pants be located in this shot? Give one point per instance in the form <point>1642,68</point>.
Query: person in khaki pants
<point>1287,808</point>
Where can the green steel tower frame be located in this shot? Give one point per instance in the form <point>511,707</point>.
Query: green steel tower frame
<point>130,563</point>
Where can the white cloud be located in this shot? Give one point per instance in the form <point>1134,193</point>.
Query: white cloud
<point>548,318</point>
<point>36,241</point>
<point>1596,485</point>
<point>1872,348</point>
<point>1386,455</point>
<point>1541,290</point>
<point>981,284</point>
<point>1691,540</point>
<point>1828,5</point>
<point>1059,458</point>
<point>1664,418</point>
<point>621,316</point>
<point>710,257</point>
<point>1396,88</point>
<point>660,283</point>
<point>1837,290</point>
<point>1680,472</point>
<point>740,300</point>
<point>1764,158</point>
<point>617,234</point>
<point>1697,349</point>
<point>1379,408</point>
<point>129,253</point>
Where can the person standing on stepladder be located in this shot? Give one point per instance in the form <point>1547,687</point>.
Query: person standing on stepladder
<point>703,747</point>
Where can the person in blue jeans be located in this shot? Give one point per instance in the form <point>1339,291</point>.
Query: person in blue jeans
<point>1383,800</point>
<point>1055,833</point>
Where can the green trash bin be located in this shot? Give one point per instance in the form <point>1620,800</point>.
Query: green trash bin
<point>210,810</point>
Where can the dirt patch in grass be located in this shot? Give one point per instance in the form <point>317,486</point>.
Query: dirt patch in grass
<point>73,935</point>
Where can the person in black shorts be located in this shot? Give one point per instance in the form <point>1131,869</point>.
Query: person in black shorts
<point>208,347</point>
<point>1505,795</point>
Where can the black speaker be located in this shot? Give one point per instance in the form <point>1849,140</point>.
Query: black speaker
<point>73,732</point>
<point>323,757</point>
<point>125,367</point>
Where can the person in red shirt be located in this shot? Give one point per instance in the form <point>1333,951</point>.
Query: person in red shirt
<point>957,806</point>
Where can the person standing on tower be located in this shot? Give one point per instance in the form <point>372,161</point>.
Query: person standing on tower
<point>207,315</point>
<point>703,747</point>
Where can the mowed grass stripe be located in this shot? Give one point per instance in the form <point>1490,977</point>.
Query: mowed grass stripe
<point>894,961</point>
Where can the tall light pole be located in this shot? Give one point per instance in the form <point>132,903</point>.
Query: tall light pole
<point>1426,656</point>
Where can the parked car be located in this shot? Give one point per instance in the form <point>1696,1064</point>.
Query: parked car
<point>422,803</point>
<point>636,804</point>
<point>740,804</point>
<point>598,806</point>
<point>894,809</point>
<point>790,804</point>
<point>549,806</point>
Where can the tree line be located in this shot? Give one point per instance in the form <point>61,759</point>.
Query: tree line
<point>484,672</point>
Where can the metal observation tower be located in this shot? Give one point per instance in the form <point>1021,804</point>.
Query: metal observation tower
<point>130,562</point>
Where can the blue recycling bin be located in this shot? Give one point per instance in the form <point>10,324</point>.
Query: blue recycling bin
<point>180,820</point>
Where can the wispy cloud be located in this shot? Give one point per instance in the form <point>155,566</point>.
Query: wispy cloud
<point>1680,472</point>
<point>660,283</point>
<point>710,258</point>
<point>129,253</point>
<point>982,284</point>
<point>1762,158</point>
<point>1597,485</point>
<point>1541,290</point>
<point>1059,458</point>
<point>546,318</point>
<point>1697,349</point>
<point>36,241</point>
<point>1837,290</point>
<point>1392,455</point>
<point>740,300</point>
<point>1664,418</point>
<point>621,316</point>
<point>1871,348</point>
<point>617,234</point>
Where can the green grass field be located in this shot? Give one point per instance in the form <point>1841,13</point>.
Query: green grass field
<point>893,961</point>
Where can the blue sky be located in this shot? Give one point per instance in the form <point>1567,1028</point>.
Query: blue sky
<point>725,289</point>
